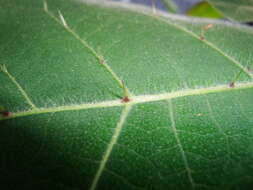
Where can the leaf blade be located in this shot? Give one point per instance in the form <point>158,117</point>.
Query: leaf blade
<point>71,135</point>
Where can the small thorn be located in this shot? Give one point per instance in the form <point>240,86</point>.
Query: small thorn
<point>207,27</point>
<point>232,84</point>
<point>201,37</point>
<point>126,94</point>
<point>101,60</point>
<point>125,90</point>
<point>125,99</point>
<point>45,6</point>
<point>3,68</point>
<point>62,19</point>
<point>203,30</point>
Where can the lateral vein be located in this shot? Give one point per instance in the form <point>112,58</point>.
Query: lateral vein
<point>181,149</point>
<point>22,91</point>
<point>110,146</point>
<point>99,57</point>
<point>210,44</point>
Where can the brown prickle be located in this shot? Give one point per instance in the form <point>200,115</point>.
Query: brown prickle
<point>125,99</point>
<point>232,84</point>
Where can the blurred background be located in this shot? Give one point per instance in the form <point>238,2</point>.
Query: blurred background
<point>199,8</point>
<point>182,5</point>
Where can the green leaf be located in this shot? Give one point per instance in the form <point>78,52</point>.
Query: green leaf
<point>104,96</point>
<point>204,9</point>
<point>239,10</point>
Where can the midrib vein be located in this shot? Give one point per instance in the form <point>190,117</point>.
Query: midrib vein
<point>134,100</point>
<point>110,146</point>
<point>99,57</point>
<point>181,149</point>
<point>210,44</point>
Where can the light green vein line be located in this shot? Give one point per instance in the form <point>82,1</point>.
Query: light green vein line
<point>109,148</point>
<point>231,59</point>
<point>185,160</point>
<point>135,99</point>
<point>210,110</point>
<point>99,57</point>
<point>22,91</point>
<point>190,92</point>
<point>105,104</point>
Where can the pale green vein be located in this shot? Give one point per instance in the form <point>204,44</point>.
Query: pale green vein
<point>219,128</point>
<point>190,92</point>
<point>210,44</point>
<point>135,99</point>
<point>22,91</point>
<point>181,149</point>
<point>109,148</point>
<point>98,56</point>
<point>210,110</point>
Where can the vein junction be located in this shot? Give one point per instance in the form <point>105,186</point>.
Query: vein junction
<point>134,99</point>
<point>127,105</point>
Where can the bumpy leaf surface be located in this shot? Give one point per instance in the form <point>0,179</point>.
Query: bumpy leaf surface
<point>65,67</point>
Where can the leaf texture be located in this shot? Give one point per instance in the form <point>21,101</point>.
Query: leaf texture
<point>66,67</point>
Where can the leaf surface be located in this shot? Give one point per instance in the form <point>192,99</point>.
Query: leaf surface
<point>66,66</point>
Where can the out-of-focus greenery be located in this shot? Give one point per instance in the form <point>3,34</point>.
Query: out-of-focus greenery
<point>204,9</point>
<point>170,5</point>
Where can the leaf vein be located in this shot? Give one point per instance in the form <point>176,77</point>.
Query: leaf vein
<point>99,57</point>
<point>134,100</point>
<point>110,146</point>
<point>208,43</point>
<point>21,90</point>
<point>181,149</point>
